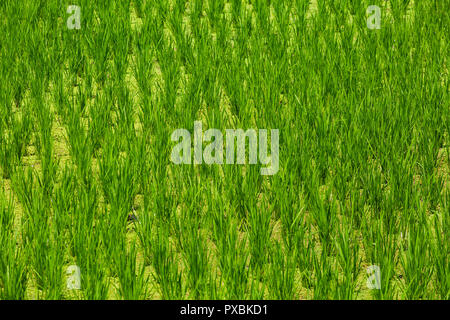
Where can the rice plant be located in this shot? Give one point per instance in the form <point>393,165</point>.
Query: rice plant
<point>91,95</point>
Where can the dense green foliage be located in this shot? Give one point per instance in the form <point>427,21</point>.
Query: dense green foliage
<point>85,123</point>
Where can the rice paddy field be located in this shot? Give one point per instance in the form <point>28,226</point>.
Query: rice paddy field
<point>358,208</point>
